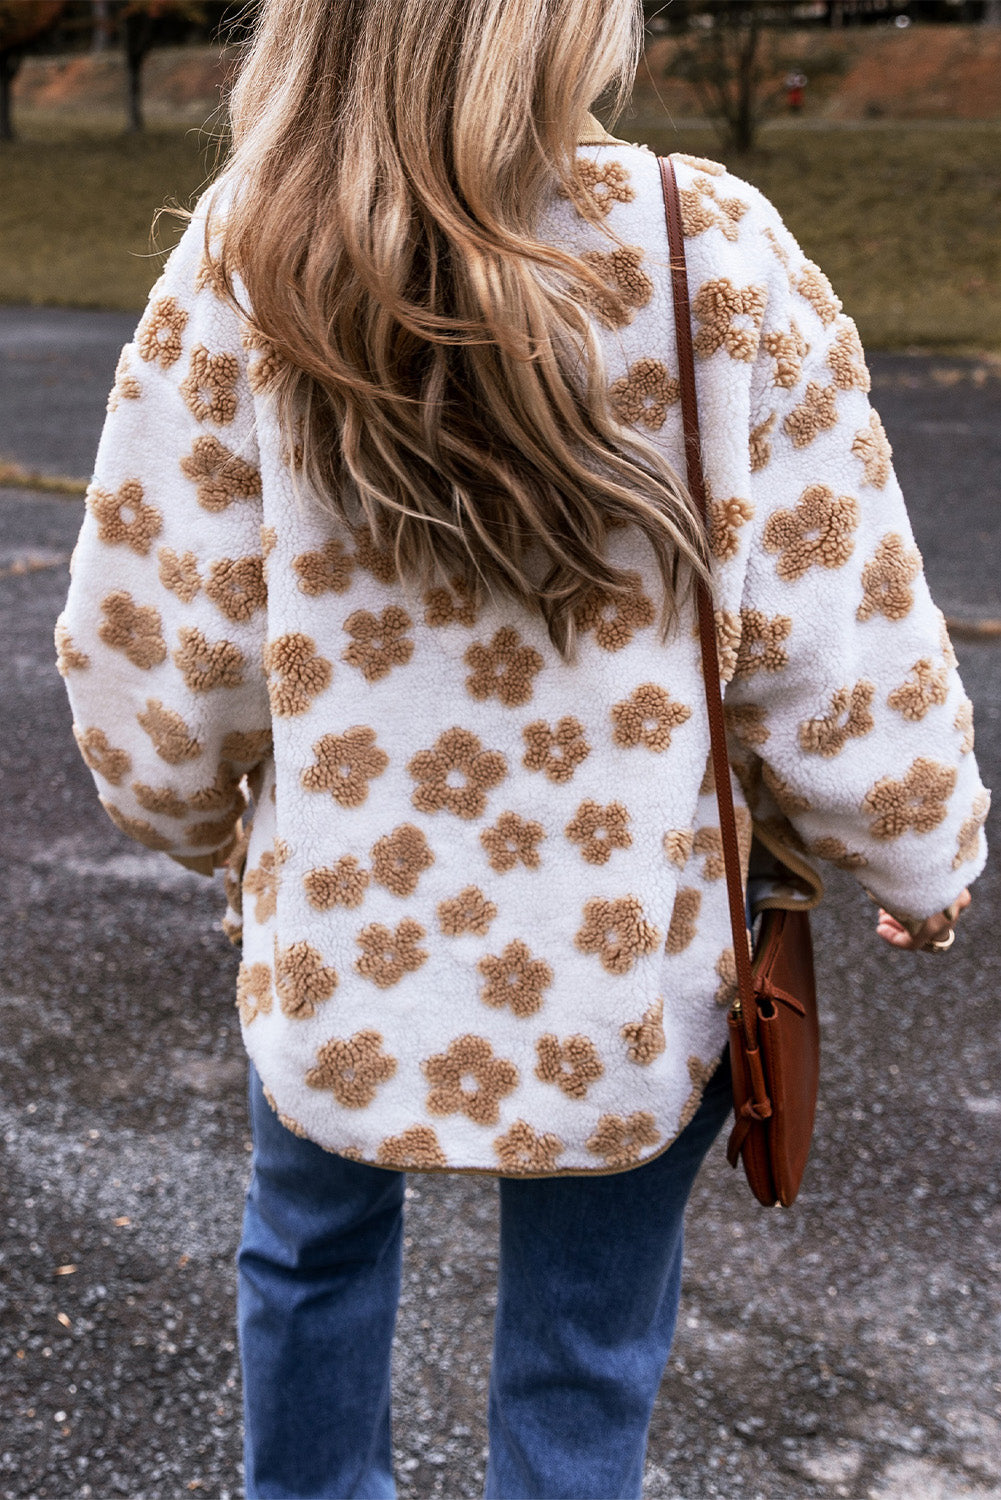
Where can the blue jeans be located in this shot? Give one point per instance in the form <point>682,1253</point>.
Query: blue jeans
<point>589,1284</point>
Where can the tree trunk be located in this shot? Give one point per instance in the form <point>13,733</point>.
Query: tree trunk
<point>102,26</point>
<point>9,64</point>
<point>138,38</point>
<point>745,123</point>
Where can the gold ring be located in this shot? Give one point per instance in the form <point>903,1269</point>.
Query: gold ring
<point>942,945</point>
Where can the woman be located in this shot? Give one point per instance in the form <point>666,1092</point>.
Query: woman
<point>387,523</point>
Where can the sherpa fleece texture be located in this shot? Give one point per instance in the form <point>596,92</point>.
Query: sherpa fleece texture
<point>485,921</point>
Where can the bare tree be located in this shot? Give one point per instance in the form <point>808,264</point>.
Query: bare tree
<point>21,22</point>
<point>141,22</point>
<point>735,56</point>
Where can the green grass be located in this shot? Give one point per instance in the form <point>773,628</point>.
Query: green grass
<point>905,219</point>
<point>78,207</point>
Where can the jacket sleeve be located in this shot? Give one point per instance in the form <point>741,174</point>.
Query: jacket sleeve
<point>160,641</point>
<point>849,719</point>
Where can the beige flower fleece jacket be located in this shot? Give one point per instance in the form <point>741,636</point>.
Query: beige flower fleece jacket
<point>484,918</point>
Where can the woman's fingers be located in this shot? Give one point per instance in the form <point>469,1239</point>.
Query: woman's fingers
<point>917,936</point>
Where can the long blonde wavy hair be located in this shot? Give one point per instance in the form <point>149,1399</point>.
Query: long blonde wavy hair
<point>438,377</point>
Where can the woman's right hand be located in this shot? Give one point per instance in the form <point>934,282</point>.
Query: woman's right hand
<point>919,936</point>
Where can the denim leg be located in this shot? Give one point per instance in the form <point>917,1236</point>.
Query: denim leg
<point>318,1286</point>
<point>590,1279</point>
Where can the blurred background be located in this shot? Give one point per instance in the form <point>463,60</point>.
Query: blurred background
<point>847,1348</point>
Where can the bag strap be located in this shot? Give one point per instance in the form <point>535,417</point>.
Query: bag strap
<point>707,620</point>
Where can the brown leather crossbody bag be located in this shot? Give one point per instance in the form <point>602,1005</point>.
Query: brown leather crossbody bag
<point>773,1026</point>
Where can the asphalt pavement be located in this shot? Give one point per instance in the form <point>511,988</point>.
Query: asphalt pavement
<point>847,1347</point>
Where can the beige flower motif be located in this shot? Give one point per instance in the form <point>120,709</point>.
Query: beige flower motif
<point>700,1074</point>
<point>264,880</point>
<point>647,717</point>
<point>678,845</point>
<point>787,350</point>
<point>778,249</point>
<point>387,953</point>
<point>209,278</point>
<point>126,386</point>
<point>286,1120</point>
<point>872,446</point>
<point>214,832</point>
<point>598,185</point>
<point>374,558</point>
<point>646,1037</point>
<point>206,664</point>
<point>761,648</point>
<point>702,209</point>
<point>717,305</point>
<point>599,830</point>
<point>160,799</point>
<point>101,756</point>
<point>968,838</point>
<point>515,978</point>
<point>726,972</point>
<point>158,337</point>
<point>469,1059</point>
<point>469,911</point>
<point>219,476</point>
<point>302,980</point>
<point>837,853</point>
<point>964,723</point>
<point>456,774</point>
<point>326,571</point>
<point>452,605</point>
<point>505,669</point>
<point>136,828</point>
<point>886,580</point>
<point>628,285</point>
<point>917,801</point>
<point>848,718</point>
<point>728,636</point>
<point>172,740</point>
<point>69,658</point>
<point>179,573</point>
<point>512,840</point>
<point>400,858</point>
<point>816,413</point>
<point>644,394</point>
<point>760,447</point>
<point>263,373</point>
<point>812,284</point>
<point>345,764</point>
<point>416,1149</point>
<point>683,917</point>
<point>615,618</point>
<point>818,533</point>
<point>269,540</point>
<point>707,843</point>
<point>525,1151</point>
<point>572,1065</point>
<point>352,1069</point>
<point>725,520</point>
<point>253,992</point>
<point>747,723</point>
<point>701,164</point>
<point>124,517</point>
<point>236,587</point>
<point>209,389</point>
<point>246,747</point>
<point>296,674</point>
<point>929,688</point>
<point>341,884</point>
<point>134,629</point>
<point>846,360</point>
<point>621,1139</point>
<point>378,642</point>
<point>786,800</point>
<point>616,932</point>
<point>556,752</point>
